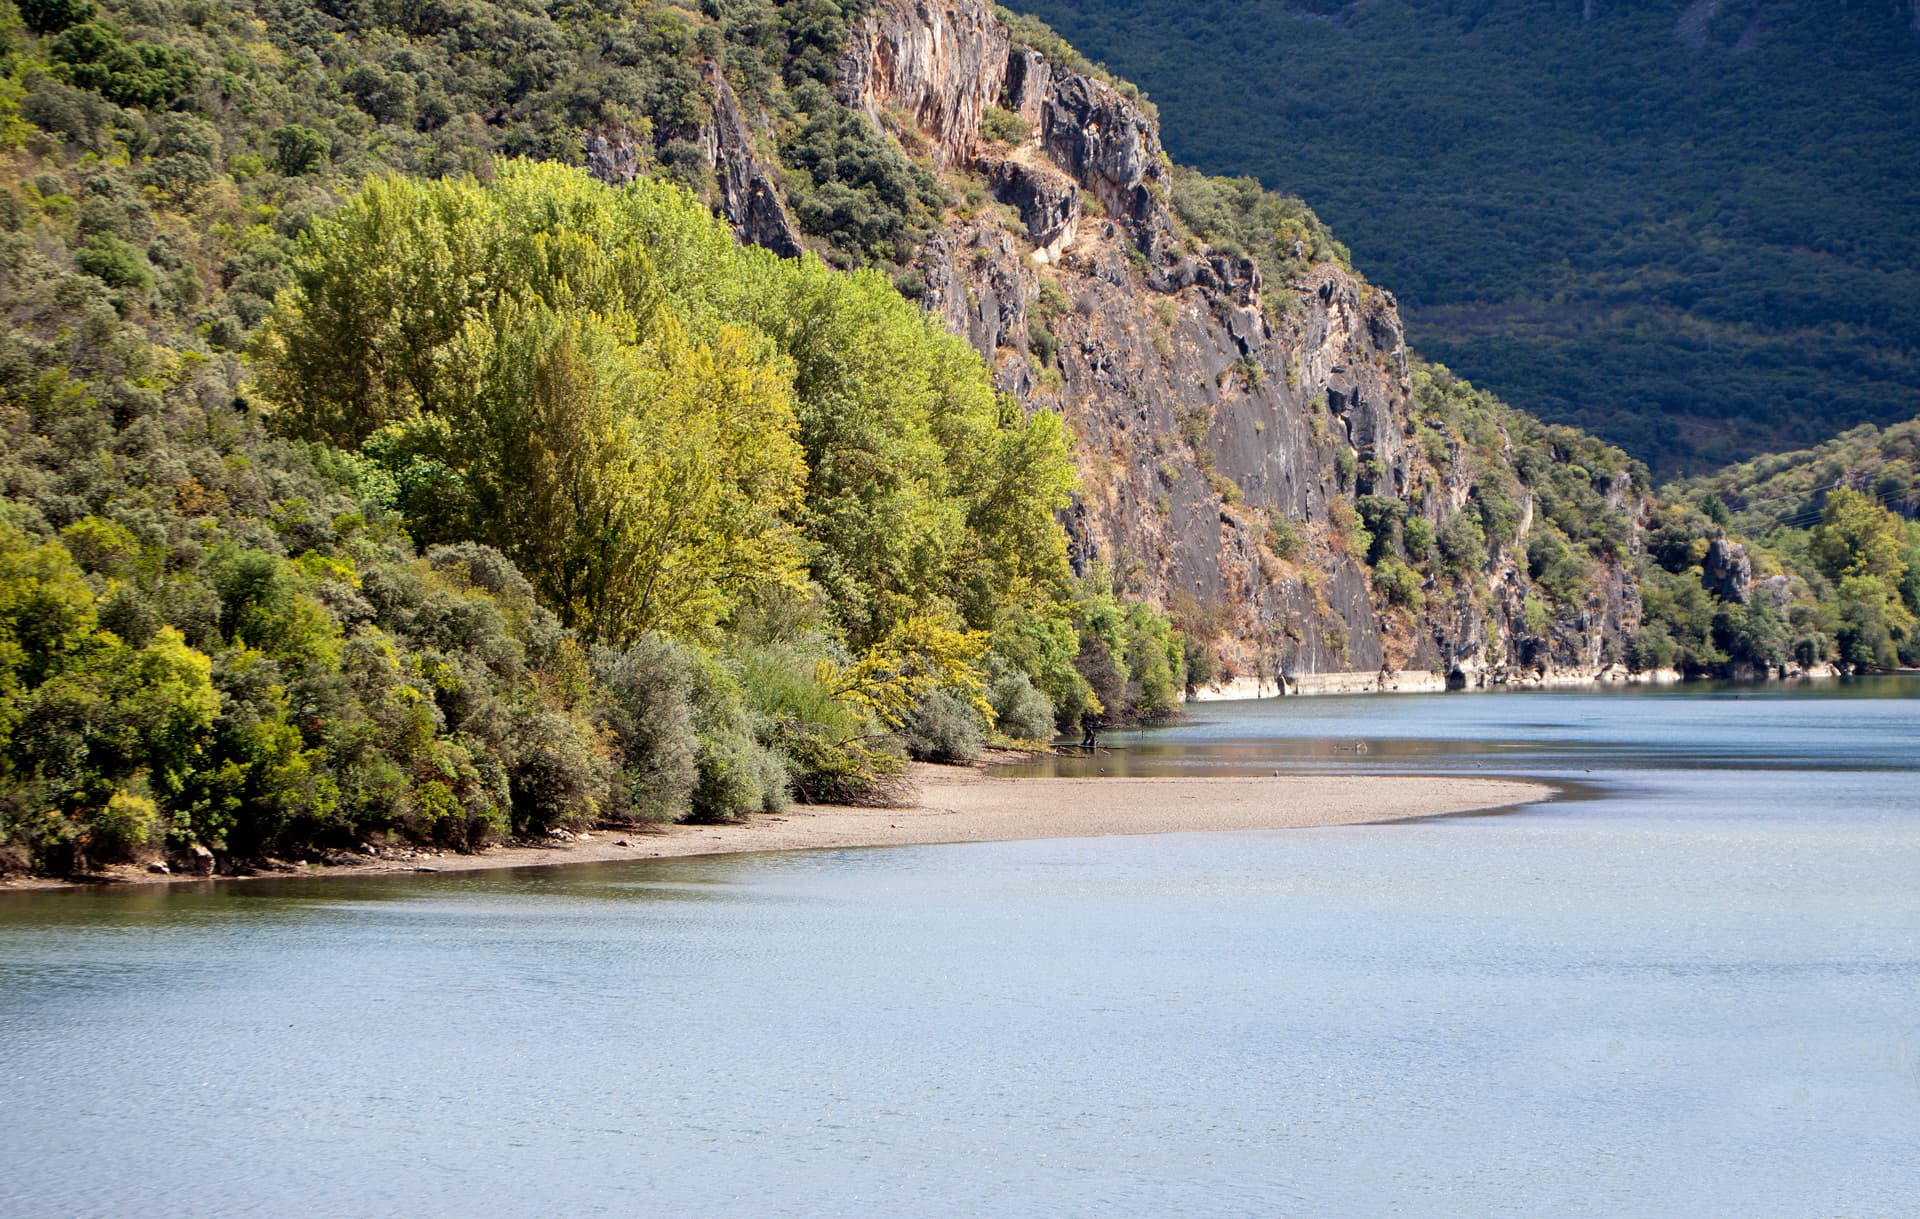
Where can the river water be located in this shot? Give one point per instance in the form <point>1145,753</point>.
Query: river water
<point>1691,986</point>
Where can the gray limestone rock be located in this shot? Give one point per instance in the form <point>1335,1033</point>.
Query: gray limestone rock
<point>1727,571</point>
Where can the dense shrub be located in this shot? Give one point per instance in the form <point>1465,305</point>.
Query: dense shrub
<point>52,16</point>
<point>558,779</point>
<point>95,56</point>
<point>298,149</point>
<point>1283,539</point>
<point>1397,583</point>
<point>1020,710</point>
<point>943,728</point>
<point>735,773</point>
<point>78,115</point>
<point>1463,545</point>
<point>113,262</point>
<point>1418,538</point>
<point>649,710</point>
<point>865,197</point>
<point>1004,126</point>
<point>1648,650</point>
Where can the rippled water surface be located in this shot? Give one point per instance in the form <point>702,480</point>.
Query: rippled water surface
<point>1692,986</point>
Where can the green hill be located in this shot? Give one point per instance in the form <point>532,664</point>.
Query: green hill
<point>1687,227</point>
<point>1786,491</point>
<point>361,479</point>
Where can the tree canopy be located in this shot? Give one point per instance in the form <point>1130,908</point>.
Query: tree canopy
<point>651,419</point>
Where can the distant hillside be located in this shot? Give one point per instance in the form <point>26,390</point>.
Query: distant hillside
<point>1829,533</point>
<point>1686,226</point>
<point>1784,491</point>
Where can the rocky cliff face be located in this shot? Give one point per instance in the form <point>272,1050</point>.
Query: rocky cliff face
<point>749,197</point>
<point>1225,426</point>
<point>941,63</point>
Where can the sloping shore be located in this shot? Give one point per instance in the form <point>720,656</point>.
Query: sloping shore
<point>958,804</point>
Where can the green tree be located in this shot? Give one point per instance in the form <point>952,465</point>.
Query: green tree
<point>46,609</point>
<point>640,487</point>
<point>298,149</point>
<point>94,55</point>
<point>1861,547</point>
<point>52,16</point>
<point>381,288</point>
<point>1858,537</point>
<point>922,490</point>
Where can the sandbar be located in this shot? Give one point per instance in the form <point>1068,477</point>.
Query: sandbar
<point>963,804</point>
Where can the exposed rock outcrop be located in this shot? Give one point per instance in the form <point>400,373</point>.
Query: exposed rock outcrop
<point>976,283</point>
<point>1225,426</point>
<point>1048,202</point>
<point>611,156</point>
<point>1727,571</point>
<point>1029,77</point>
<point>748,197</point>
<point>940,61</point>
<point>1103,141</point>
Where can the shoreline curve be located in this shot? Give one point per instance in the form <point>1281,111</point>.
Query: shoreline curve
<point>956,805</point>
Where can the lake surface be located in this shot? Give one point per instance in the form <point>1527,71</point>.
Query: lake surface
<point>1691,987</point>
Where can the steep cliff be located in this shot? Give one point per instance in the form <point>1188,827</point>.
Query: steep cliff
<point>1254,455</point>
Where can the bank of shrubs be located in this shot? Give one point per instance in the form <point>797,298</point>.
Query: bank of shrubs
<point>551,505</point>
<point>268,704</point>
<point>1840,587</point>
<point>335,510</point>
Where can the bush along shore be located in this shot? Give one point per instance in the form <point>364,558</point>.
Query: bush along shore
<point>550,506</point>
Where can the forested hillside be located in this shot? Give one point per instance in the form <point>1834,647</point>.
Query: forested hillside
<point>438,422</point>
<point>1684,225</point>
<point>1787,490</point>
<point>1837,520</point>
<point>341,502</point>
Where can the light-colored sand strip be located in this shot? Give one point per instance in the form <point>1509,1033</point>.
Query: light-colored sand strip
<point>963,805</point>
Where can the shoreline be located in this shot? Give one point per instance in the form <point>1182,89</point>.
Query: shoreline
<point>1490,681</point>
<point>954,805</point>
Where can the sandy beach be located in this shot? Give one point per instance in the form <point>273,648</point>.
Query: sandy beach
<point>960,804</point>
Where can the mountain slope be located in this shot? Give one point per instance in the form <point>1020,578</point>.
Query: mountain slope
<point>1684,225</point>
<point>364,481</point>
<point>1787,490</point>
<point>1259,451</point>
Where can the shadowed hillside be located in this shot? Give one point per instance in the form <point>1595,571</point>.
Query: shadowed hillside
<point>1685,225</point>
